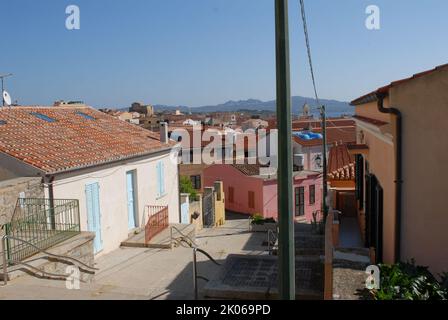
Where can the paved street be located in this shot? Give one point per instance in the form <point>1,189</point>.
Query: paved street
<point>139,273</point>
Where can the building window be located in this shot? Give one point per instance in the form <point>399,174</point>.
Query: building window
<point>251,199</point>
<point>196,181</point>
<point>43,117</point>
<point>299,201</point>
<point>312,194</point>
<point>160,167</point>
<point>85,115</point>
<point>231,190</point>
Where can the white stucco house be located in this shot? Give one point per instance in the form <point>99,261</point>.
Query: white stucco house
<point>113,168</point>
<point>307,154</point>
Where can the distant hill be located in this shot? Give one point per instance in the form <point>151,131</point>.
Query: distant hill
<point>334,107</point>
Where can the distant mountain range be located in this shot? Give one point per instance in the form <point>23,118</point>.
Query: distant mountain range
<point>333,107</point>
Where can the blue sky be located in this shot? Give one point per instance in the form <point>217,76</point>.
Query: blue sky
<point>200,52</point>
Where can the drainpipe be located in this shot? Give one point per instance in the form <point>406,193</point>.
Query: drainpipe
<point>398,172</point>
<point>50,180</point>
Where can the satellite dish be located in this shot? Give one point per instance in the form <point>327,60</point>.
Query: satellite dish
<point>7,98</point>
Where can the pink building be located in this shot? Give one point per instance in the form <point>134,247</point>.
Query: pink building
<point>250,193</point>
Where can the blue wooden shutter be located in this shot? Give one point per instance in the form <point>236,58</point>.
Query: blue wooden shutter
<point>162,178</point>
<point>159,179</point>
<point>94,214</point>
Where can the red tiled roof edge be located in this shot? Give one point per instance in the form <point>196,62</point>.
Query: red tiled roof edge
<point>371,96</point>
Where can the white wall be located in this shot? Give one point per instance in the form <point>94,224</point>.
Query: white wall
<point>309,153</point>
<point>113,196</point>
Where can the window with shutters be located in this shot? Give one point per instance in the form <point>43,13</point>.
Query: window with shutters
<point>299,193</point>
<point>196,181</point>
<point>312,194</point>
<point>251,199</point>
<point>160,168</point>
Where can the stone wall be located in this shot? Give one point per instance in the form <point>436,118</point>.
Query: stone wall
<point>10,191</point>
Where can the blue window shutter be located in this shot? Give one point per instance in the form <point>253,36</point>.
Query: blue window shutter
<point>158,178</point>
<point>162,178</point>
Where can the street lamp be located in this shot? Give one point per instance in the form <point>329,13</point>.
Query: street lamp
<point>318,161</point>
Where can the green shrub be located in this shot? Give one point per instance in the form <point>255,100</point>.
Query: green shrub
<point>185,186</point>
<point>406,281</point>
<point>259,219</point>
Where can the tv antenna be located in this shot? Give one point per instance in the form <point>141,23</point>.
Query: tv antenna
<point>5,95</point>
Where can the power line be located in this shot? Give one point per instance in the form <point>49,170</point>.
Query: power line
<point>308,47</point>
<point>310,62</point>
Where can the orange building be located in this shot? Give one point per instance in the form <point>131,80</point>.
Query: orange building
<point>401,154</point>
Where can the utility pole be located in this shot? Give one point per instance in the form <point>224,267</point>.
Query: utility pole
<point>324,157</point>
<point>286,252</point>
<point>3,89</point>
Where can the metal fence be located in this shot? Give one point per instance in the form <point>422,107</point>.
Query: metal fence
<point>41,222</point>
<point>157,221</point>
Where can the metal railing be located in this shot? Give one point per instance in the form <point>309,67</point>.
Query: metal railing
<point>157,221</point>
<point>195,270</point>
<point>7,261</point>
<point>38,224</point>
<point>183,238</point>
<point>272,239</point>
<point>192,244</point>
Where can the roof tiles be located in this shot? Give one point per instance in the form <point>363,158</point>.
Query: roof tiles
<point>72,141</point>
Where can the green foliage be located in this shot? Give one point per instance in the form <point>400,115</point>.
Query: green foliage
<point>186,186</point>
<point>258,219</point>
<point>406,281</point>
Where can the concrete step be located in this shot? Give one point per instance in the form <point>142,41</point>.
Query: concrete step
<point>163,239</point>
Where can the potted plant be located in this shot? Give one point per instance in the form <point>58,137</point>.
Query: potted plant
<point>260,224</point>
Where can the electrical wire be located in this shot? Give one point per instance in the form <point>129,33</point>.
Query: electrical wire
<point>310,62</point>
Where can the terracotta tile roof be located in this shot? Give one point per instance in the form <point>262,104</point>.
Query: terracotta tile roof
<point>78,137</point>
<point>372,96</point>
<point>315,123</point>
<point>377,123</point>
<point>334,135</point>
<point>248,169</point>
<point>341,164</point>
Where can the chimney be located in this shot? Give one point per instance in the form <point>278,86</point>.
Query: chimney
<point>164,132</point>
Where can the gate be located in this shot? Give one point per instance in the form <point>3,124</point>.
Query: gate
<point>208,207</point>
<point>157,221</point>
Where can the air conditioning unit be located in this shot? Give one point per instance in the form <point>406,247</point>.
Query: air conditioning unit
<point>298,160</point>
